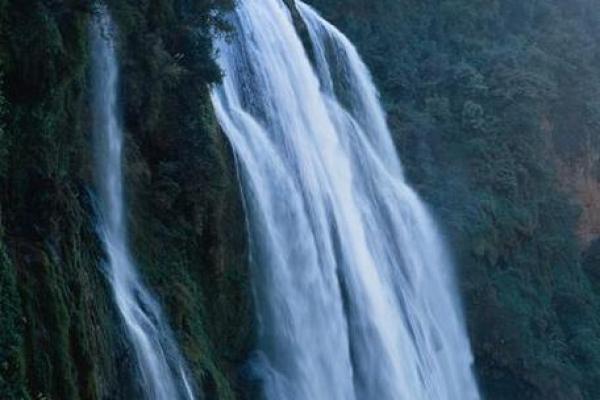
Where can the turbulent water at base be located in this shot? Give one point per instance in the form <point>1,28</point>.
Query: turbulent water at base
<point>353,286</point>
<point>162,371</point>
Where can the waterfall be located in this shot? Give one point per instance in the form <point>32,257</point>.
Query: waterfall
<point>353,286</point>
<point>161,368</point>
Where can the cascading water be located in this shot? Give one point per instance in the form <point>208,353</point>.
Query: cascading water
<point>161,367</point>
<point>353,287</point>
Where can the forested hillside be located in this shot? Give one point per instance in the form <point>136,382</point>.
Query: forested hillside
<point>61,337</point>
<point>495,110</point>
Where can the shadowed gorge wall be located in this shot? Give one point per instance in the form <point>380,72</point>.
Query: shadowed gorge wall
<point>62,336</point>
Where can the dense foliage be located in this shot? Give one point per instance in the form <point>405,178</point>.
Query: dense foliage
<point>493,104</point>
<point>61,337</point>
<point>494,107</point>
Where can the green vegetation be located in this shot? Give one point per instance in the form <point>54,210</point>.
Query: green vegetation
<point>187,215</point>
<point>493,104</point>
<point>489,101</point>
<point>12,376</point>
<point>61,336</point>
<point>65,339</point>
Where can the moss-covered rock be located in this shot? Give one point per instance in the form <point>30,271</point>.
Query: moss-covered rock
<point>64,338</point>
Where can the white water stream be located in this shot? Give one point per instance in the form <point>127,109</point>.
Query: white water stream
<point>161,367</point>
<point>353,286</point>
